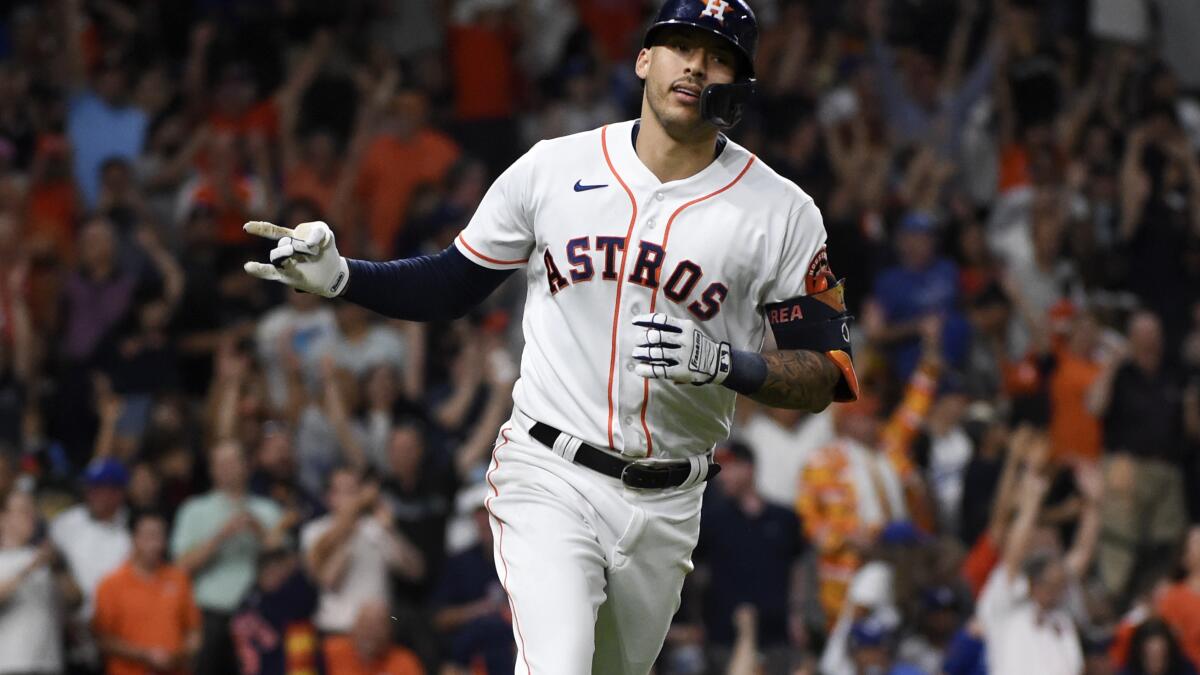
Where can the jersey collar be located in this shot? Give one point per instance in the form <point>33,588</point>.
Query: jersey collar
<point>637,125</point>
<point>730,160</point>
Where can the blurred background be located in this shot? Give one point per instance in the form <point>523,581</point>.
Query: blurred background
<point>203,473</point>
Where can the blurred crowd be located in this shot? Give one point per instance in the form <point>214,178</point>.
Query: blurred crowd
<point>202,473</point>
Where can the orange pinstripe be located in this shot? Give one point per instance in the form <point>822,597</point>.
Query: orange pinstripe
<point>487,505</point>
<point>612,359</point>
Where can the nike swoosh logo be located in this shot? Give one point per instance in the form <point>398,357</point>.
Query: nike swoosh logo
<point>580,187</point>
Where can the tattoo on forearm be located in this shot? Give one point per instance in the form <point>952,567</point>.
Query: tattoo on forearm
<point>798,379</point>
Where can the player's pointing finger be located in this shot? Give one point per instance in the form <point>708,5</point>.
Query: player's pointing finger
<point>261,228</point>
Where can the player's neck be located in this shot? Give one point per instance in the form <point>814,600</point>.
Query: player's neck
<point>669,158</point>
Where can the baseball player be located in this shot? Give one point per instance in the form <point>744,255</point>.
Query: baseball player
<point>657,253</point>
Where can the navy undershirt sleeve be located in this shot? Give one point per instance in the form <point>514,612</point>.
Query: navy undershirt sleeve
<point>426,288</point>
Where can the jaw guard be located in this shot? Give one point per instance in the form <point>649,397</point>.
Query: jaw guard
<point>723,104</point>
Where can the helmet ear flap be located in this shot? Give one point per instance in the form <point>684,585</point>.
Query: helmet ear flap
<point>724,104</point>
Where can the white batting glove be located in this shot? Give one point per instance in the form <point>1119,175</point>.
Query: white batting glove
<point>677,350</point>
<point>305,258</point>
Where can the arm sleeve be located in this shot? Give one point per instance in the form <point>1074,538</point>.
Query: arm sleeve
<point>427,288</point>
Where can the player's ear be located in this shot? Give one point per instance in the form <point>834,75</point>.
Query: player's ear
<point>642,65</point>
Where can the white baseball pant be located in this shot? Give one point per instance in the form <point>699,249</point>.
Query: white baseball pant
<point>593,569</point>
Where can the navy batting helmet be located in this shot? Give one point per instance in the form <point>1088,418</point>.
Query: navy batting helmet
<point>729,19</point>
<point>732,20</point>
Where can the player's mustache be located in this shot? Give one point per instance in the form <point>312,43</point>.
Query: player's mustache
<point>687,81</point>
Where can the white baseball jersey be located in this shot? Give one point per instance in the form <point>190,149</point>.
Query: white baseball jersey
<point>603,240</point>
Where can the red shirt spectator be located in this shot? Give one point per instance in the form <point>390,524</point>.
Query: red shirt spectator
<point>1074,431</point>
<point>979,562</point>
<point>396,164</point>
<point>1179,605</point>
<point>227,189</point>
<point>146,618</point>
<point>367,650</point>
<point>481,60</point>
<point>615,24</point>
<point>261,118</point>
<point>52,206</point>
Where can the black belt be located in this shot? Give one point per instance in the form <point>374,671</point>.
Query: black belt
<point>654,475</point>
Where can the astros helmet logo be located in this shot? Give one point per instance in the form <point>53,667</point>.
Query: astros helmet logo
<point>715,9</point>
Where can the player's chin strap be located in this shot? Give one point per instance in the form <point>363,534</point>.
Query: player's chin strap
<point>723,104</point>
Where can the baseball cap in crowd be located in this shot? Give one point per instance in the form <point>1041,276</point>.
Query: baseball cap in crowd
<point>918,222</point>
<point>903,532</point>
<point>871,588</point>
<point>940,597</point>
<point>869,632</point>
<point>105,472</point>
<point>734,450</point>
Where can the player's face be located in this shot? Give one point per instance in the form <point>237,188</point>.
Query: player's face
<point>676,70</point>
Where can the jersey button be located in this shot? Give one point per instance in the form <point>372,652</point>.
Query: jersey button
<point>650,223</point>
<point>659,196</point>
<point>629,366</point>
<point>635,309</point>
<point>629,420</point>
